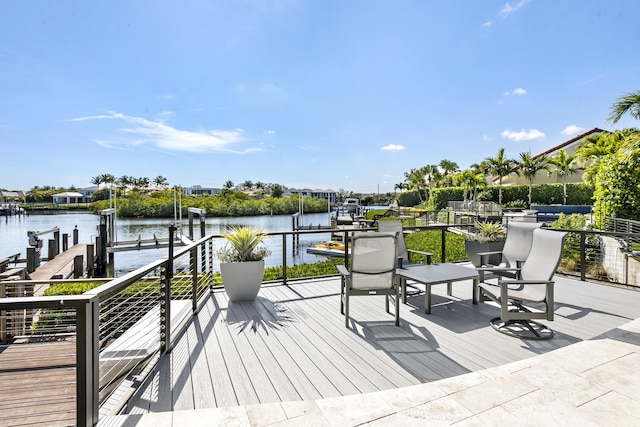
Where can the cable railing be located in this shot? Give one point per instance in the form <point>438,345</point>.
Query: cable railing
<point>109,337</point>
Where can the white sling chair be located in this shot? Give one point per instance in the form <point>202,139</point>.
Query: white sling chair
<point>533,286</point>
<point>515,251</point>
<point>372,271</point>
<point>395,226</point>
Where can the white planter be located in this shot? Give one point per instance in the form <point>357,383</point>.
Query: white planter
<point>242,280</point>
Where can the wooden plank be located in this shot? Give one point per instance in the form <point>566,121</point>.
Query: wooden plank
<point>256,330</point>
<point>182,396</point>
<point>37,383</point>
<point>304,361</point>
<point>241,381</point>
<point>203,395</point>
<point>381,370</point>
<point>60,264</point>
<point>344,374</point>
<point>224,393</point>
<point>376,328</point>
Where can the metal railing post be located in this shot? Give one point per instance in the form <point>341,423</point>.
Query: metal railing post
<point>210,252</point>
<point>166,274</point>
<point>583,257</point>
<point>284,259</point>
<point>87,374</point>
<point>193,261</point>
<point>443,246</point>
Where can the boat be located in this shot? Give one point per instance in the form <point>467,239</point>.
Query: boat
<point>331,244</point>
<point>351,204</point>
<point>328,248</point>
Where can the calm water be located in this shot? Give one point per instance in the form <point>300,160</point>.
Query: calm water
<point>13,235</point>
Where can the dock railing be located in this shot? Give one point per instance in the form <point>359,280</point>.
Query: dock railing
<point>119,330</point>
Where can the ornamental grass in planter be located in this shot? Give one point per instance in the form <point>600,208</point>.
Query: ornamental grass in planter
<point>242,262</point>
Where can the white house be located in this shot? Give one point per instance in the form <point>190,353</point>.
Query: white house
<point>68,197</point>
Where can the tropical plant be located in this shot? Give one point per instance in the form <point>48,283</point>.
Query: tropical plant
<point>530,166</point>
<point>563,167</point>
<point>627,103</point>
<point>499,166</point>
<point>488,232</point>
<point>243,244</point>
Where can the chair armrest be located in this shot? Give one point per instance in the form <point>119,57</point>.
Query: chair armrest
<point>496,268</point>
<point>524,282</point>
<point>429,255</point>
<point>489,253</point>
<point>342,270</point>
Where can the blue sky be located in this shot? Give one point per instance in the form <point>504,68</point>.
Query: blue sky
<point>332,94</point>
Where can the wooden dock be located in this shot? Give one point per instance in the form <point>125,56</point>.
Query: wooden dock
<point>38,383</point>
<point>61,264</point>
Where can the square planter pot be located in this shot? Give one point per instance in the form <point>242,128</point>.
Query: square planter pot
<point>474,248</point>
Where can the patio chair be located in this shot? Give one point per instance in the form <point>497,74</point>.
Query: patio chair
<point>372,271</point>
<point>513,254</point>
<point>404,254</point>
<point>534,285</point>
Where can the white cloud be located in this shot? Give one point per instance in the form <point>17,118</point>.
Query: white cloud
<point>487,24</point>
<point>517,92</point>
<point>270,132</point>
<point>486,137</point>
<point>523,135</point>
<point>392,147</point>
<point>169,138</point>
<point>572,130</point>
<point>509,8</point>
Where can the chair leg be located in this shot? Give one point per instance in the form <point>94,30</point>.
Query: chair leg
<point>346,310</point>
<point>342,286</point>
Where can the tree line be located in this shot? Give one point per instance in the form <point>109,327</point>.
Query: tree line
<point>610,161</point>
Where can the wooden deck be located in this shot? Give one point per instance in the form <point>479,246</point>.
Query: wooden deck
<point>291,343</point>
<point>61,264</point>
<point>38,383</point>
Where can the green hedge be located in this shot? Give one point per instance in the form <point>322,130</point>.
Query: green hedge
<point>516,195</point>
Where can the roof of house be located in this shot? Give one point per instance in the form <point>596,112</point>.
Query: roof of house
<point>571,141</point>
<point>560,146</point>
<point>69,194</point>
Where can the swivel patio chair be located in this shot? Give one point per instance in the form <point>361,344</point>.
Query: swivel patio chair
<point>372,271</point>
<point>515,251</point>
<point>533,286</point>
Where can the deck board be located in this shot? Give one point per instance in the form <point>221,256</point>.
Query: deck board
<point>291,343</point>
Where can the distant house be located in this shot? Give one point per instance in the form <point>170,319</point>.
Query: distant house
<point>87,192</point>
<point>198,190</point>
<point>317,193</point>
<point>68,197</point>
<point>543,177</point>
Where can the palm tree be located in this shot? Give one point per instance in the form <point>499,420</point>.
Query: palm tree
<point>448,167</point>
<point>432,175</point>
<point>564,167</point>
<point>417,180</point>
<point>530,166</point>
<point>499,166</point>
<point>627,103</point>
<point>228,185</point>
<point>470,180</point>
<point>401,186</point>
<point>160,181</point>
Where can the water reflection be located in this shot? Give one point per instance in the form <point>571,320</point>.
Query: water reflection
<point>13,235</point>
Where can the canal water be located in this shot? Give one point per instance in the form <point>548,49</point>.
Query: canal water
<point>13,235</point>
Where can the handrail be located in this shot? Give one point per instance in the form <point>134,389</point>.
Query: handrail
<point>88,306</point>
